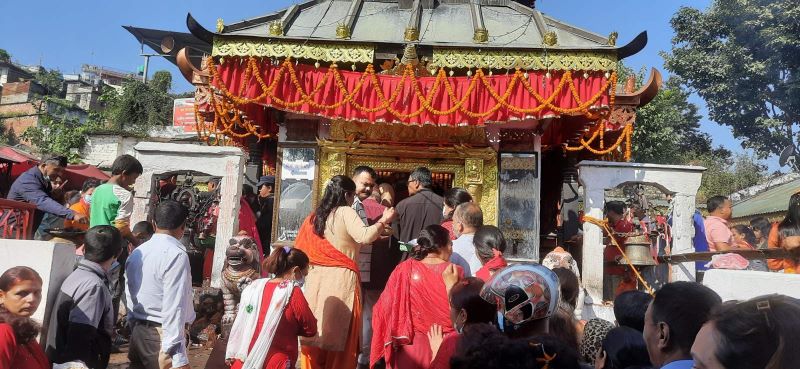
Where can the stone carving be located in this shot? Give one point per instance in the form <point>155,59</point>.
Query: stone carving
<point>241,268</point>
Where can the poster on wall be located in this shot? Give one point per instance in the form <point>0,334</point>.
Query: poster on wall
<point>518,204</point>
<point>183,117</point>
<point>295,199</point>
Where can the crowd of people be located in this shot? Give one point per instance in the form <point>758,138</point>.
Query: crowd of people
<point>353,301</point>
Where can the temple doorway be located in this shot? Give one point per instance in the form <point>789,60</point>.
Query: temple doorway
<point>442,182</point>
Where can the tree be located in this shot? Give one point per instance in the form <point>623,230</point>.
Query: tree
<point>726,173</point>
<point>743,58</point>
<point>667,127</point>
<point>4,55</point>
<point>140,106</point>
<point>51,80</point>
<point>161,81</point>
<point>60,130</point>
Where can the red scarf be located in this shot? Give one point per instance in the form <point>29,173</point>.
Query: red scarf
<point>491,266</point>
<point>393,323</point>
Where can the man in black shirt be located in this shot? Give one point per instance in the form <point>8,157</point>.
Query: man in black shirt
<point>266,201</point>
<point>421,209</point>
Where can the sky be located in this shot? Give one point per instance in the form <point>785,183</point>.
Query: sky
<point>64,35</point>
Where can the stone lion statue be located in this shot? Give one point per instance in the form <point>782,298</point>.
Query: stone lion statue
<point>241,267</point>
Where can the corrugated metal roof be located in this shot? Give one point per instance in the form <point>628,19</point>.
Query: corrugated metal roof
<point>773,200</point>
<point>509,25</point>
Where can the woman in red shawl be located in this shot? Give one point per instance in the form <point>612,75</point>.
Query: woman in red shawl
<point>20,295</point>
<point>415,299</point>
<point>489,246</point>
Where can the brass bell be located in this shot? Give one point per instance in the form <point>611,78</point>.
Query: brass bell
<point>637,248</point>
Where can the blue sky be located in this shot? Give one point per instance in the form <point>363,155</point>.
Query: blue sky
<point>65,34</point>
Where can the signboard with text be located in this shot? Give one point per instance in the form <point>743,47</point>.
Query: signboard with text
<point>183,116</point>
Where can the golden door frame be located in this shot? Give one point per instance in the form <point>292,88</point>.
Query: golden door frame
<point>474,169</point>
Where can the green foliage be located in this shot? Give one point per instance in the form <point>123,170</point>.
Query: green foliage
<point>140,106</point>
<point>52,81</point>
<point>667,127</point>
<point>60,129</point>
<point>4,55</point>
<point>726,174</point>
<point>667,131</point>
<point>161,81</point>
<point>741,56</point>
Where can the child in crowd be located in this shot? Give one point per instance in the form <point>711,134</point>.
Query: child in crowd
<point>142,231</point>
<point>112,202</point>
<point>82,321</point>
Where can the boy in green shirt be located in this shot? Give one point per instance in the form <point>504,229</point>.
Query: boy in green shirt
<point>112,202</point>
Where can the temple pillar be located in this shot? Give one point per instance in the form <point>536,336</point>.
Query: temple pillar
<point>683,208</point>
<point>225,162</point>
<point>592,268</point>
<point>681,182</point>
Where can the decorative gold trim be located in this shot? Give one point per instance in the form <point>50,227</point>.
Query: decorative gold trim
<point>463,162</point>
<point>550,39</point>
<point>220,25</point>
<point>351,53</point>
<point>529,60</point>
<point>342,31</point>
<point>481,35</point>
<point>612,38</point>
<point>411,34</point>
<point>368,132</point>
<point>276,28</point>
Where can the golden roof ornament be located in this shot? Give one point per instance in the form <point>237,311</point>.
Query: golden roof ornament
<point>612,38</point>
<point>276,28</point>
<point>342,31</point>
<point>550,39</point>
<point>411,34</point>
<point>220,25</point>
<point>481,35</point>
<point>410,55</point>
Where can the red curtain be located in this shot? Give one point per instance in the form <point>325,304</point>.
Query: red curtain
<point>232,75</point>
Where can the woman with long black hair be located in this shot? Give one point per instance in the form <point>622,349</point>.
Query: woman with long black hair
<point>415,300</point>
<point>786,234</point>
<point>452,199</point>
<point>332,237</point>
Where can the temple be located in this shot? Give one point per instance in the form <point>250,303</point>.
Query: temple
<point>492,96</point>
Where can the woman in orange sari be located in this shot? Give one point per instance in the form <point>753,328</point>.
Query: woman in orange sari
<point>332,237</point>
<point>415,299</point>
<point>786,234</point>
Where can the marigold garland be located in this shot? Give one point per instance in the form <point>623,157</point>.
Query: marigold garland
<point>228,119</point>
<point>287,69</point>
<point>625,136</point>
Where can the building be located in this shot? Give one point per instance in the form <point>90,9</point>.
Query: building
<point>17,109</point>
<point>770,202</point>
<point>10,72</point>
<point>84,93</point>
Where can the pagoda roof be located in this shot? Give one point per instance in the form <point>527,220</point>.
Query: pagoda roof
<point>168,43</point>
<point>502,24</point>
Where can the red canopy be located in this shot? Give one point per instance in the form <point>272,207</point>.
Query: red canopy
<point>75,174</point>
<point>406,98</point>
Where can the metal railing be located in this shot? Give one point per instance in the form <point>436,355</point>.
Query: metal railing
<point>16,220</point>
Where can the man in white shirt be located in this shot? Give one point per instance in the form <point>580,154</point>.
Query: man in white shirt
<point>467,218</point>
<point>159,292</point>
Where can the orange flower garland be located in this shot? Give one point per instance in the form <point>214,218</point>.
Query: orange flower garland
<point>228,119</point>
